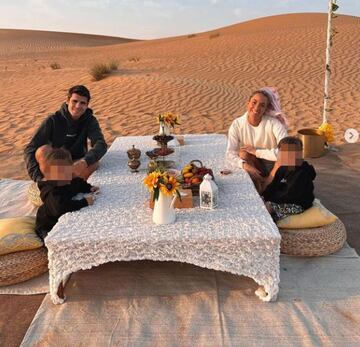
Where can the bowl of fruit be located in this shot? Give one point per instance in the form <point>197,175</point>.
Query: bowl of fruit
<point>193,174</point>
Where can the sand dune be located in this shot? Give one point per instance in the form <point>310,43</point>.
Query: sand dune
<point>30,41</point>
<point>206,78</point>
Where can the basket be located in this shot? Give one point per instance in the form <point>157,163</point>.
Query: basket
<point>34,194</point>
<point>313,142</point>
<point>22,266</point>
<point>194,187</point>
<point>313,242</point>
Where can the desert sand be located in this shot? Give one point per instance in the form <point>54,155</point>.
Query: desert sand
<point>205,77</point>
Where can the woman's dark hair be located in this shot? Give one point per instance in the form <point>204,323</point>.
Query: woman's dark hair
<point>58,154</point>
<point>80,90</point>
<point>262,93</point>
<point>291,140</point>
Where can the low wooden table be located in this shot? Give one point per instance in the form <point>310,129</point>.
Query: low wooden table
<point>238,237</point>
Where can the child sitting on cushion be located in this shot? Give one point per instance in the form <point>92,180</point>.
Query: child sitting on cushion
<point>289,188</point>
<point>57,190</point>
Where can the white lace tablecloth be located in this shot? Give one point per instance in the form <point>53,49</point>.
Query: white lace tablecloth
<point>238,237</point>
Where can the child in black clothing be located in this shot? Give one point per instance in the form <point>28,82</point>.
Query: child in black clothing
<point>289,188</point>
<point>57,190</point>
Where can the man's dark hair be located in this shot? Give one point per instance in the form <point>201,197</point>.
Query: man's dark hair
<point>80,90</point>
<point>291,140</point>
<point>58,154</point>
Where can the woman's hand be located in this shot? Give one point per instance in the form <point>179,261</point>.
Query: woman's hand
<point>249,149</point>
<point>252,171</point>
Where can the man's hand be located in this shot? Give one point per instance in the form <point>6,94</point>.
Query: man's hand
<point>249,149</point>
<point>79,167</point>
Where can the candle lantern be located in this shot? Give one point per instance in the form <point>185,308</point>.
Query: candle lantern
<point>208,193</point>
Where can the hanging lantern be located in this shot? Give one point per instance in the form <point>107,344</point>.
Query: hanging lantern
<point>208,193</point>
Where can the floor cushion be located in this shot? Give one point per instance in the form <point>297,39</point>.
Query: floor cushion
<point>14,200</point>
<point>22,266</point>
<point>311,242</point>
<point>315,216</point>
<point>18,234</point>
<point>34,195</point>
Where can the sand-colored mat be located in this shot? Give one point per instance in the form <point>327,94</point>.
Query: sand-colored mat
<point>172,304</point>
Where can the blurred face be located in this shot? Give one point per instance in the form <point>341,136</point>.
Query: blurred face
<point>60,171</point>
<point>77,105</point>
<point>290,155</point>
<point>256,106</point>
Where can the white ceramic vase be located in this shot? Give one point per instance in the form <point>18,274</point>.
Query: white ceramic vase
<point>164,129</point>
<point>164,212</point>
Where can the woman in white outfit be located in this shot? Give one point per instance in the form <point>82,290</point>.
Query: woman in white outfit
<point>253,137</point>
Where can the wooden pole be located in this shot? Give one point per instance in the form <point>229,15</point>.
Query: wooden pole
<point>327,64</point>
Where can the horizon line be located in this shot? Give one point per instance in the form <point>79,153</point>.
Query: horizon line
<point>174,36</point>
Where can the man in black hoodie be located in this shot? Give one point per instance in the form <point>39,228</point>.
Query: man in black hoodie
<point>289,189</point>
<point>69,128</point>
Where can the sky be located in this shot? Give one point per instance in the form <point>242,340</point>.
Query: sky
<point>149,19</point>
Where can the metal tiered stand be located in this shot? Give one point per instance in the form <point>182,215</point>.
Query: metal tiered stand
<point>158,156</point>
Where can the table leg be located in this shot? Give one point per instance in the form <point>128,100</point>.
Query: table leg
<point>268,292</point>
<point>61,291</point>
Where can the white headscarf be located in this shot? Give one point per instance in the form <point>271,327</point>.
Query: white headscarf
<point>274,108</point>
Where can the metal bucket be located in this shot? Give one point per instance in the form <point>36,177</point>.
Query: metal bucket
<point>313,142</point>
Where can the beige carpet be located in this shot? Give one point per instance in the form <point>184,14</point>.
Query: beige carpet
<point>172,304</point>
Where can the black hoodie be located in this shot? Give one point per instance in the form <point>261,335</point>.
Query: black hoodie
<point>294,186</point>
<point>58,201</point>
<point>60,130</point>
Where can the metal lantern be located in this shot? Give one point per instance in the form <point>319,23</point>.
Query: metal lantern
<point>209,193</point>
